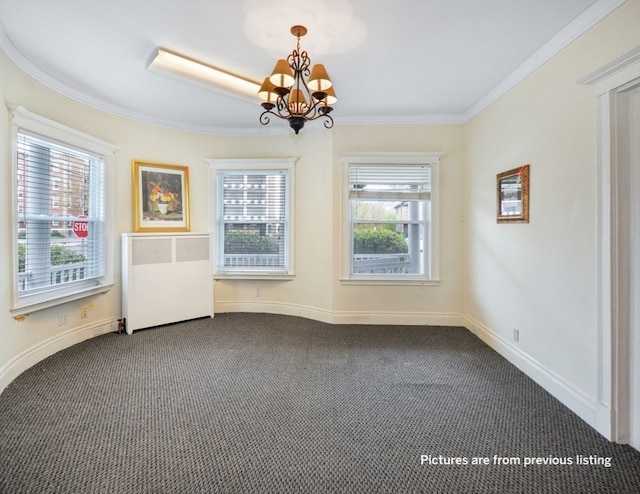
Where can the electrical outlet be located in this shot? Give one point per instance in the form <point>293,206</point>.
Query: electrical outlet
<point>83,312</point>
<point>62,319</point>
<point>516,335</point>
<point>258,292</point>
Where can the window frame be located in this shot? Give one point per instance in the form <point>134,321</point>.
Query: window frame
<point>253,166</point>
<point>31,123</point>
<point>432,255</point>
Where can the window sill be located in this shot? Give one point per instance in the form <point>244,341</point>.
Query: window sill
<point>389,282</point>
<point>254,275</point>
<point>29,308</point>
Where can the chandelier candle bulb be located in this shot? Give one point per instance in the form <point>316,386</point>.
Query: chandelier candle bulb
<point>296,93</point>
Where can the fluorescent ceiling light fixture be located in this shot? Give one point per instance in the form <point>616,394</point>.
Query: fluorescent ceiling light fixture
<point>200,74</point>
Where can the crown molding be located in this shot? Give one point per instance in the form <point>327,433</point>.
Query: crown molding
<point>590,17</point>
<point>433,119</point>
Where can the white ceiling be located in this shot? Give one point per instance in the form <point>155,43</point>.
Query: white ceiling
<point>391,61</point>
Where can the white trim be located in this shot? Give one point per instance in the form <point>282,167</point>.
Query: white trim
<point>601,78</point>
<point>590,17</point>
<point>362,281</point>
<point>25,120</point>
<point>31,356</point>
<point>344,317</point>
<point>253,275</point>
<point>383,157</point>
<point>399,318</point>
<point>400,158</point>
<point>433,119</point>
<point>257,164</point>
<point>612,410</point>
<point>562,390</point>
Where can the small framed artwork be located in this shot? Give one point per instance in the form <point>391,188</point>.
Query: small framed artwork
<point>160,197</point>
<point>513,195</point>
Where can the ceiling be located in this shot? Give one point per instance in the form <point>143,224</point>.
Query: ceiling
<point>391,61</point>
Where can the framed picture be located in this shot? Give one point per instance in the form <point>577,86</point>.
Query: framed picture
<point>160,197</point>
<point>513,195</point>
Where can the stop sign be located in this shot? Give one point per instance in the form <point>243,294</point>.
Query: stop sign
<point>81,227</point>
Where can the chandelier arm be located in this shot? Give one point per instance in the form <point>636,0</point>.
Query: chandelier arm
<point>264,117</point>
<point>281,106</point>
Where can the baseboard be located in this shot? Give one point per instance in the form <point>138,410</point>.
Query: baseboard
<point>273,308</point>
<point>347,317</point>
<point>400,318</point>
<point>563,391</point>
<point>28,358</point>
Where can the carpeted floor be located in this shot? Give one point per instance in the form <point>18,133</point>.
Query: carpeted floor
<point>267,403</point>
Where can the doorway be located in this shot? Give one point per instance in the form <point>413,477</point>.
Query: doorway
<point>617,91</point>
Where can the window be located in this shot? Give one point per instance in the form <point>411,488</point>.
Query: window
<point>253,201</point>
<point>55,258</point>
<point>391,217</point>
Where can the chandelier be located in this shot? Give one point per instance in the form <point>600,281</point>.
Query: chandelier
<point>285,93</point>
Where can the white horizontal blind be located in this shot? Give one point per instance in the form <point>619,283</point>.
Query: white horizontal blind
<point>252,214</point>
<point>388,181</point>
<point>58,187</point>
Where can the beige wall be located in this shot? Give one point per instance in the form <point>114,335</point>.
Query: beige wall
<point>541,277</point>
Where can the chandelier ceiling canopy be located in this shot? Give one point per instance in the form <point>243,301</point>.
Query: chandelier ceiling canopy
<point>297,92</point>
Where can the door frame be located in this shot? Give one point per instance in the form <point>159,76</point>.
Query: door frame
<point>612,84</point>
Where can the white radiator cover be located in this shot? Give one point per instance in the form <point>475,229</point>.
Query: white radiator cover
<point>165,278</point>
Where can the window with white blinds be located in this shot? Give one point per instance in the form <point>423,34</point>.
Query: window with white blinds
<point>60,216</point>
<point>253,220</point>
<point>390,213</point>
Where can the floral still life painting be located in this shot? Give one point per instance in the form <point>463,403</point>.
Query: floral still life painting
<point>161,197</point>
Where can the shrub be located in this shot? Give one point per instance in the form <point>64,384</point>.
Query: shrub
<point>63,255</point>
<point>247,243</point>
<point>59,255</point>
<point>382,241</point>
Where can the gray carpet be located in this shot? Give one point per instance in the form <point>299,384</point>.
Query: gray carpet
<point>266,403</point>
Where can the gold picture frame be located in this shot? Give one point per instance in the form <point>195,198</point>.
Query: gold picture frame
<point>513,195</point>
<point>160,197</point>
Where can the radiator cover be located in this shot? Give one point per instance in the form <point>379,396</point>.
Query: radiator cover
<point>165,278</point>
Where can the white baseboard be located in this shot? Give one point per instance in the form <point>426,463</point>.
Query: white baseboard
<point>563,391</point>
<point>347,317</point>
<point>274,308</point>
<point>28,358</point>
<point>400,318</point>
